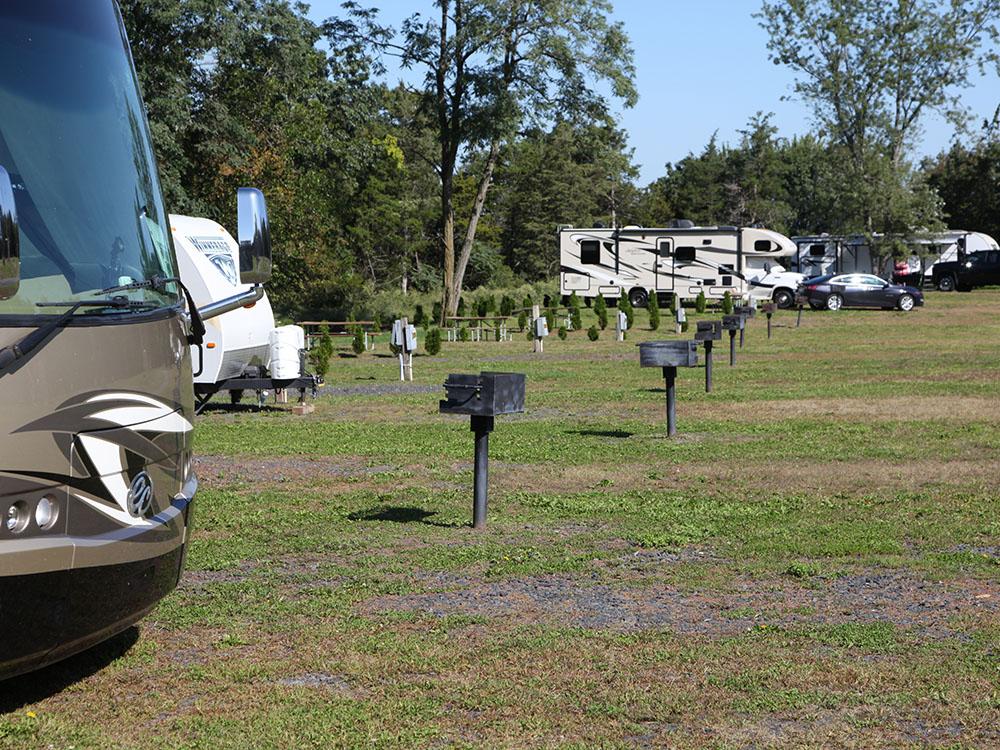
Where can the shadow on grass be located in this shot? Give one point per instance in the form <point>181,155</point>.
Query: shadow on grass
<point>398,514</point>
<point>26,689</point>
<point>224,408</point>
<point>602,433</point>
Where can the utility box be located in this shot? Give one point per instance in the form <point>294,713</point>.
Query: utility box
<point>733,322</point>
<point>668,354</point>
<point>622,321</point>
<point>488,394</point>
<point>541,328</point>
<point>768,308</point>
<point>404,336</point>
<point>708,330</point>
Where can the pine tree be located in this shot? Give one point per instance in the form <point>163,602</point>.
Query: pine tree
<point>601,311</point>
<point>700,301</point>
<point>654,312</point>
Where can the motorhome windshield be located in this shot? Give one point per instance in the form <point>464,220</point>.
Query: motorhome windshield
<point>74,139</point>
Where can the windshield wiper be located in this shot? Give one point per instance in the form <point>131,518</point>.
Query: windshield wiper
<point>159,283</point>
<point>22,348</point>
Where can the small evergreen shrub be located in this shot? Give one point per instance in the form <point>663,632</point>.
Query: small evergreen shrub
<point>436,314</point>
<point>432,341</point>
<point>593,334</point>
<point>550,318</point>
<point>654,312</point>
<point>419,317</point>
<point>700,301</point>
<point>562,333</point>
<point>358,342</point>
<point>463,334</point>
<point>320,354</point>
<point>727,304</point>
<point>522,320</point>
<point>601,311</point>
<point>626,307</point>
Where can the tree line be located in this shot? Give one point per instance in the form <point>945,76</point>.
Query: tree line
<point>460,180</point>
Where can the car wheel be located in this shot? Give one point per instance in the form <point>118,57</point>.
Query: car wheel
<point>946,283</point>
<point>784,299</point>
<point>834,302</point>
<point>905,302</point>
<point>638,297</point>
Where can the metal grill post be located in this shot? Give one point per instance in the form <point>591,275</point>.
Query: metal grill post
<point>670,376</point>
<point>708,366</point>
<point>482,427</point>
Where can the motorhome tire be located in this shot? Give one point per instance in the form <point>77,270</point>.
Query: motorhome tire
<point>905,302</point>
<point>784,298</point>
<point>638,297</point>
<point>946,283</point>
<point>834,302</point>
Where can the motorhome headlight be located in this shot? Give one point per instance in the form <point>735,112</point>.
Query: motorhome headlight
<point>17,517</point>
<point>46,513</point>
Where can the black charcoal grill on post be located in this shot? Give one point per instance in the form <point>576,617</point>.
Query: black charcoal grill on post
<point>768,309</point>
<point>669,355</point>
<point>747,312</point>
<point>483,397</point>
<point>708,332</point>
<point>733,323</point>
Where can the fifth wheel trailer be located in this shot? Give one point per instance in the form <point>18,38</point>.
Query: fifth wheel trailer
<point>96,478</point>
<point>817,255</point>
<point>243,350</point>
<point>682,260</point>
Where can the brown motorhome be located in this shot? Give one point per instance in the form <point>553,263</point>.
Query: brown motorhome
<point>96,483</point>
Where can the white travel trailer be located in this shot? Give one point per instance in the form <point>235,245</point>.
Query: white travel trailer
<point>242,349</point>
<point>681,260</point>
<point>823,254</point>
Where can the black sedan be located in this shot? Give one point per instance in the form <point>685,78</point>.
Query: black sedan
<point>832,292</point>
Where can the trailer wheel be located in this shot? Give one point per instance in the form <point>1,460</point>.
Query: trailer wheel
<point>784,298</point>
<point>235,397</point>
<point>638,297</point>
<point>946,283</point>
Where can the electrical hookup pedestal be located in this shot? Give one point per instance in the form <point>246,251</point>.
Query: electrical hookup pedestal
<point>404,338</point>
<point>669,355</point>
<point>483,397</point>
<point>768,309</point>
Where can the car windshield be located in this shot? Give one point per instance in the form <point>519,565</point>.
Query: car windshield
<point>74,139</point>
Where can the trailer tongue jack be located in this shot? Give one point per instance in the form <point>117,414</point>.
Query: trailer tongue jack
<point>483,397</point>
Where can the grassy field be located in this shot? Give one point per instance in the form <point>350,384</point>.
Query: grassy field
<point>813,561</point>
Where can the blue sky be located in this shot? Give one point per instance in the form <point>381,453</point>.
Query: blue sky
<point>702,67</point>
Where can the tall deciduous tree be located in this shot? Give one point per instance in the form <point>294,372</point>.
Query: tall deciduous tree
<point>873,68</point>
<point>489,67</point>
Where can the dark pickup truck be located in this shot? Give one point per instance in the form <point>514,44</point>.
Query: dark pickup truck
<point>981,268</point>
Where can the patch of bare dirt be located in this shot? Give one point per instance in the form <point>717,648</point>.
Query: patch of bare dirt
<point>901,599</point>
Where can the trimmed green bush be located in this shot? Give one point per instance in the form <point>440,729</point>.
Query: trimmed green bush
<point>593,334</point>
<point>522,320</point>
<point>463,334</point>
<point>654,312</point>
<point>550,318</point>
<point>562,333</point>
<point>358,342</point>
<point>700,302</point>
<point>320,354</point>
<point>727,304</point>
<point>436,314</point>
<point>601,311</point>
<point>419,317</point>
<point>575,316</point>
<point>626,307</point>
<point>432,341</point>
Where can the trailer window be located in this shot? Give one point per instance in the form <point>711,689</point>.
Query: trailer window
<point>686,254</point>
<point>817,251</point>
<point>590,252</point>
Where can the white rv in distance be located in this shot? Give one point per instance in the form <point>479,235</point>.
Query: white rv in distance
<point>817,255</point>
<point>682,260</point>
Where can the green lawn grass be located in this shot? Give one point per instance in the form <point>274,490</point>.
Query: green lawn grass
<point>813,561</point>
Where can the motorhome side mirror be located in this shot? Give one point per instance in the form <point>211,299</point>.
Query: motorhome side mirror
<point>10,239</point>
<point>254,236</point>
